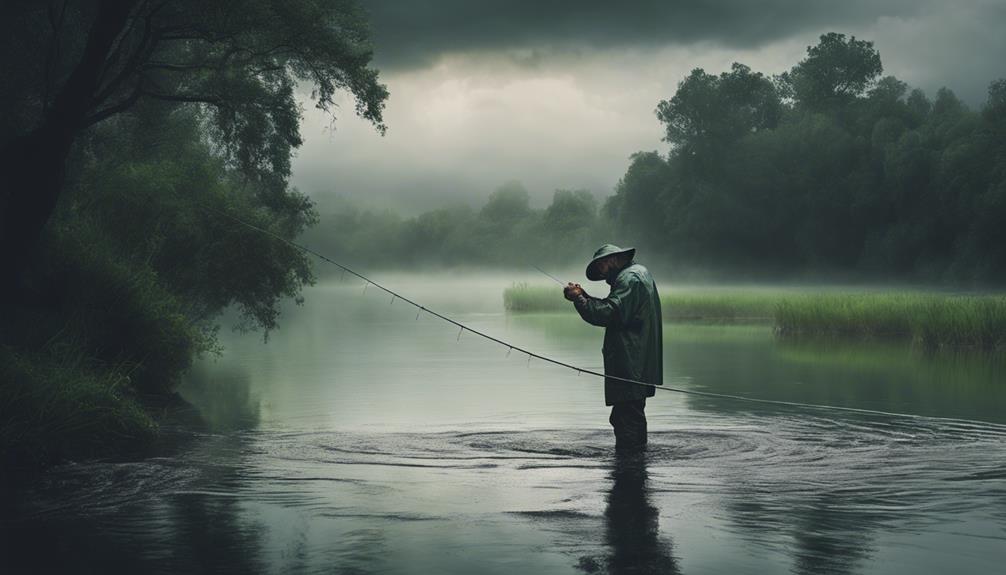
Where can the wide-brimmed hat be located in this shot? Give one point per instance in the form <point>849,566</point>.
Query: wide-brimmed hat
<point>603,252</point>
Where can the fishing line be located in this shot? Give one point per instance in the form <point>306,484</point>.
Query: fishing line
<point>530,354</point>
<point>557,280</point>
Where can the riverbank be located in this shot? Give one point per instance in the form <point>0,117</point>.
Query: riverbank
<point>926,318</point>
<point>59,406</point>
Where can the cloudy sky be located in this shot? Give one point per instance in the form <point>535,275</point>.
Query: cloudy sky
<point>558,94</point>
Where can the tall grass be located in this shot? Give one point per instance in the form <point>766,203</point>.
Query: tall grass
<point>77,352</point>
<point>931,320</point>
<point>523,297</point>
<point>58,404</point>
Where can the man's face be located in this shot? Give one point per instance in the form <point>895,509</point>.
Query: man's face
<point>606,265</point>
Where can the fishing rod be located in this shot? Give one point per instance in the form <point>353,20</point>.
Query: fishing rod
<point>557,280</point>
<point>530,354</point>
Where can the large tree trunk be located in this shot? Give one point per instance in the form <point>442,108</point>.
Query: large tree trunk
<point>33,165</point>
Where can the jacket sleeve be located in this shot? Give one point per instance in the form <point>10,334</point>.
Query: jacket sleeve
<point>616,309</point>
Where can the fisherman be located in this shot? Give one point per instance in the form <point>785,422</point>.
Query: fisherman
<point>633,346</point>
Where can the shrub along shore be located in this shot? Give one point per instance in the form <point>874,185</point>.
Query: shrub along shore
<point>56,405</point>
<point>929,319</point>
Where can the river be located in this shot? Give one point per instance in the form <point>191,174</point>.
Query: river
<point>364,439</point>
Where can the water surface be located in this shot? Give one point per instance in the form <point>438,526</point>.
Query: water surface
<point>361,439</point>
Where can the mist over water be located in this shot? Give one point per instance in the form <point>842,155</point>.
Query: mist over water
<point>361,439</point>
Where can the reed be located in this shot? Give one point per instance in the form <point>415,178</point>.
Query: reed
<point>928,319</point>
<point>523,297</point>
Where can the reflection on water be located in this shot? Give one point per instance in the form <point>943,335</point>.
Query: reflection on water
<point>761,493</point>
<point>134,517</point>
<point>825,539</point>
<point>221,393</point>
<point>632,522</point>
<point>363,440</point>
<point>885,376</point>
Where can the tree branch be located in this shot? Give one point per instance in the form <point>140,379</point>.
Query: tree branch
<point>116,108</point>
<point>146,46</point>
<point>52,55</point>
<point>170,67</point>
<point>185,98</point>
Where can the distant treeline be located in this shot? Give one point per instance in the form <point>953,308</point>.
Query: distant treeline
<point>827,170</point>
<point>504,231</point>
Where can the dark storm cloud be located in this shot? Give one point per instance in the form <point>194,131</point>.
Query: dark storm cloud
<point>410,34</point>
<point>560,94</point>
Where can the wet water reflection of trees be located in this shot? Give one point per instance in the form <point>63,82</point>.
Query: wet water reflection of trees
<point>151,515</point>
<point>118,528</point>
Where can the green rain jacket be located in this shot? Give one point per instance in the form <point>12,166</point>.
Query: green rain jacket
<point>633,341</point>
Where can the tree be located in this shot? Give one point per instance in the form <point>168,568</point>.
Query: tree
<point>995,106</point>
<point>710,111</point>
<point>236,61</point>
<point>835,71</point>
<point>987,237</point>
<point>507,205</point>
<point>570,211</point>
<point>568,222</point>
<point>638,205</point>
<point>141,209</point>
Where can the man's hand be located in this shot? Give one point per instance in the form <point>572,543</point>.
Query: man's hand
<point>573,291</point>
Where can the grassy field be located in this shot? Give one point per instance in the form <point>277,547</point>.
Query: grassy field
<point>926,318</point>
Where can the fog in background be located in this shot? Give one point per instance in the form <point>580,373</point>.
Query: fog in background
<point>558,95</point>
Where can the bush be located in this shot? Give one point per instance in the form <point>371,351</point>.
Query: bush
<point>119,315</point>
<point>56,404</point>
